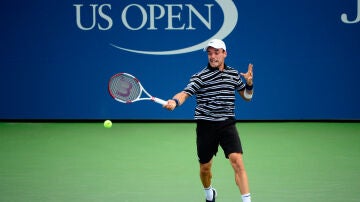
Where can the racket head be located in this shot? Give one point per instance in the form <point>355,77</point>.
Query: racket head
<point>124,87</point>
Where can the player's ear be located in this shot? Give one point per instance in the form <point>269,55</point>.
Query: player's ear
<point>225,53</point>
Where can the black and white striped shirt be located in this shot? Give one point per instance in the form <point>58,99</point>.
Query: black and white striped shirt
<point>215,92</point>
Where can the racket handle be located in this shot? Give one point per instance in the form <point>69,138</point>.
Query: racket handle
<point>160,101</point>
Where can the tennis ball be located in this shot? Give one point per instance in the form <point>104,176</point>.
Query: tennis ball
<point>107,124</point>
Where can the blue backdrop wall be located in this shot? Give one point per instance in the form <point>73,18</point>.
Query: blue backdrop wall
<point>57,56</point>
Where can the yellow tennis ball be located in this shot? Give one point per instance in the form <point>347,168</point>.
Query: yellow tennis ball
<point>107,124</point>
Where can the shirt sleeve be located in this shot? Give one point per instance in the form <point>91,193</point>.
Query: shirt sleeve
<point>194,85</point>
<point>240,84</point>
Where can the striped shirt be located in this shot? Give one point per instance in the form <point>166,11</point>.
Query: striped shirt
<point>215,92</point>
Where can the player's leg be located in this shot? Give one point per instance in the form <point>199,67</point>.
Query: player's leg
<point>241,178</point>
<point>205,174</point>
<point>205,177</point>
<point>231,144</point>
<point>207,145</point>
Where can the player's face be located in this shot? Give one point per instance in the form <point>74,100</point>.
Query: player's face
<point>216,57</point>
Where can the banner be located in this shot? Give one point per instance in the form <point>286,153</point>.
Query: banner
<point>58,56</point>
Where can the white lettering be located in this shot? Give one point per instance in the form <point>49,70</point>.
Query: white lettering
<point>143,14</point>
<point>202,19</point>
<point>174,16</point>
<point>230,19</point>
<point>171,17</point>
<point>94,9</point>
<point>152,15</point>
<point>78,16</point>
<point>345,19</point>
<point>105,17</point>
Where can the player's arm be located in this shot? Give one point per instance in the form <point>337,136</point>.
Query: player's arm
<point>246,94</point>
<point>177,100</point>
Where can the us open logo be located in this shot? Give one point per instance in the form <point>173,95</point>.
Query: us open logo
<point>143,20</point>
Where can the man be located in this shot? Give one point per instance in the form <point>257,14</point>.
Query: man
<point>215,87</point>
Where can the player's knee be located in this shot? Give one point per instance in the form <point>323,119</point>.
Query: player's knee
<point>205,168</point>
<point>238,164</point>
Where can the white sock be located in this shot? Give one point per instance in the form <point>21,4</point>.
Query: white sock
<point>209,193</point>
<point>246,197</point>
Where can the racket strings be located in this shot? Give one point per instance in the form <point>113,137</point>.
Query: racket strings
<point>124,88</point>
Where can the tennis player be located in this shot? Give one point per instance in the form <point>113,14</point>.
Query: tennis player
<point>214,87</point>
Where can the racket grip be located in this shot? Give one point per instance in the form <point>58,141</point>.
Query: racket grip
<point>160,101</point>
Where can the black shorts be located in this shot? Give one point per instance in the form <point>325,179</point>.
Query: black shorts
<point>211,134</point>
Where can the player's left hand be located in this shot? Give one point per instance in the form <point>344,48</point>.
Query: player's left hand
<point>248,75</point>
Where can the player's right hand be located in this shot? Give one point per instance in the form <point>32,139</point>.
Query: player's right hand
<point>170,105</point>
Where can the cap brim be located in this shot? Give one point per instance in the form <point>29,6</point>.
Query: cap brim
<point>205,49</point>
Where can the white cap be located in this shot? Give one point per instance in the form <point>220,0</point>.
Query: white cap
<point>215,43</point>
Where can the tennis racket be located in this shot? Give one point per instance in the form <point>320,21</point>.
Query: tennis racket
<point>125,88</point>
